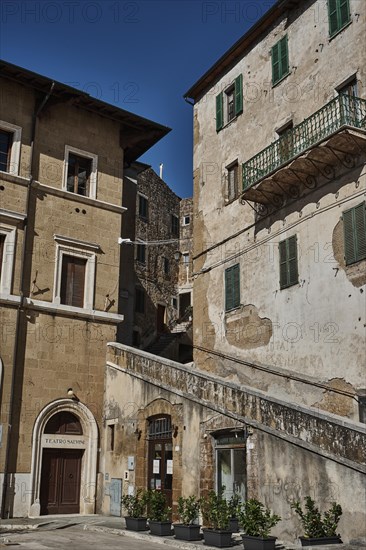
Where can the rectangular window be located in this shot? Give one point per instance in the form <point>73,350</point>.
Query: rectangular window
<point>140,300</point>
<point>362,408</point>
<point>2,247</point>
<point>354,226</point>
<point>285,143</point>
<point>72,281</point>
<point>141,253</point>
<point>229,104</point>
<point>186,220</point>
<point>111,435</point>
<point>175,225</point>
<point>339,15</point>
<point>10,144</point>
<point>232,181</point>
<point>185,257</point>
<point>143,208</point>
<point>280,60</point>
<point>232,287</point>
<point>288,262</point>
<point>6,140</point>
<point>166,266</point>
<point>78,174</point>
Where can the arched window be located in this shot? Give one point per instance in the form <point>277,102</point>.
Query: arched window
<point>63,423</point>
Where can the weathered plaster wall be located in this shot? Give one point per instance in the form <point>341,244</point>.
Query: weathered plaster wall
<point>311,330</point>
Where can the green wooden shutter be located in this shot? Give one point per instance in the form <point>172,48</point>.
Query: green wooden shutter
<point>228,290</point>
<point>349,240</point>
<point>283,52</point>
<point>333,16</point>
<point>283,264</point>
<point>344,13</point>
<point>275,64</point>
<point>292,271</point>
<point>239,95</point>
<point>232,287</point>
<point>288,262</point>
<point>219,112</point>
<point>360,230</point>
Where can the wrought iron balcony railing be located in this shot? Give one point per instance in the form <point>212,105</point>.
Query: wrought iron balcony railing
<point>344,110</point>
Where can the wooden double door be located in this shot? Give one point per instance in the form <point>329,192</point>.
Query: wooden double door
<point>60,481</point>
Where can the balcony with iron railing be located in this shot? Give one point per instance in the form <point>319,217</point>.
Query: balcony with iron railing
<point>320,141</point>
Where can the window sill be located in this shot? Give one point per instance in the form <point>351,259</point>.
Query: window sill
<point>13,178</point>
<point>233,311</point>
<point>70,311</point>
<point>289,285</point>
<point>274,84</point>
<point>80,198</point>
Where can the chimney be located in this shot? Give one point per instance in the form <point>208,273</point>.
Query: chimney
<point>161,170</point>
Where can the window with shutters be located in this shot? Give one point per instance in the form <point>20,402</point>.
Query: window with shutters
<point>232,287</point>
<point>139,300</point>
<point>232,181</point>
<point>229,103</point>
<point>8,234</point>
<point>280,60</point>
<point>354,226</point>
<point>10,136</point>
<point>175,225</point>
<point>75,273</point>
<point>143,208</point>
<point>141,253</point>
<point>288,262</point>
<point>339,15</point>
<point>80,174</point>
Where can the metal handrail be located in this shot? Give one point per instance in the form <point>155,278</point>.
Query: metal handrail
<point>344,110</point>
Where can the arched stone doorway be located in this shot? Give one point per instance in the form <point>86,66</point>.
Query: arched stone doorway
<point>64,460</point>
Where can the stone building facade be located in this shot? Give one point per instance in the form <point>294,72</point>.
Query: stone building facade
<point>156,294</point>
<point>62,159</point>
<point>268,408</point>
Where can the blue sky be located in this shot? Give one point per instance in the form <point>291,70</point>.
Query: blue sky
<point>138,55</point>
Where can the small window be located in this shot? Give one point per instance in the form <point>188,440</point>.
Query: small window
<point>354,225</point>
<point>140,300</point>
<point>143,208</point>
<point>362,408</point>
<point>232,181</point>
<point>229,104</point>
<point>10,137</point>
<point>111,436</point>
<point>72,281</point>
<point>339,15</point>
<point>185,258</point>
<point>175,303</point>
<point>6,140</point>
<point>2,247</point>
<point>232,287</point>
<point>166,266</point>
<point>186,220</point>
<point>288,262</point>
<point>175,225</point>
<point>280,60</point>
<point>78,174</point>
<point>141,253</point>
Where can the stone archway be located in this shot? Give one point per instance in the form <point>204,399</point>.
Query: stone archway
<point>89,443</point>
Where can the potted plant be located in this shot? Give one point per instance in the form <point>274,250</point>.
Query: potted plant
<point>234,509</point>
<point>257,521</point>
<point>136,510</point>
<point>318,529</point>
<point>215,512</point>
<point>159,514</point>
<point>188,509</point>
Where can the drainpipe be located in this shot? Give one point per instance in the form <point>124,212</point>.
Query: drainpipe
<point>20,308</point>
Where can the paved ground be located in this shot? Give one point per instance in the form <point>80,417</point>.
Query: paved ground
<point>98,533</point>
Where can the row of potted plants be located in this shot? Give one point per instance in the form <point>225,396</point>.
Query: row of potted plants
<point>222,518</point>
